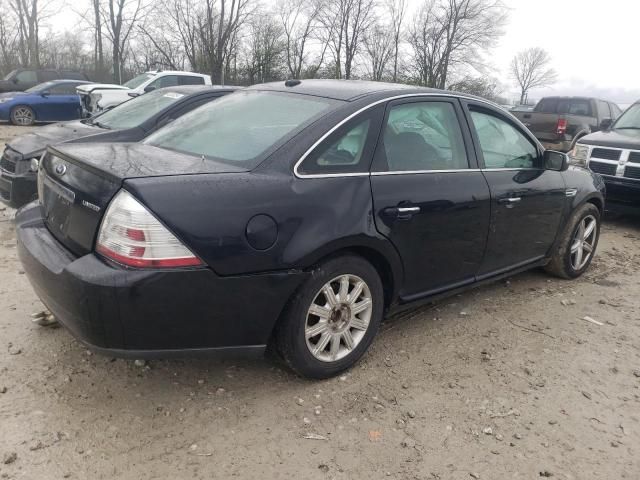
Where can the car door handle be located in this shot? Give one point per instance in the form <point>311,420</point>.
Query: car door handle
<point>510,200</point>
<point>402,213</point>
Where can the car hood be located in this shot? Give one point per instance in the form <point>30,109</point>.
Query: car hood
<point>90,87</point>
<point>120,161</point>
<point>627,139</point>
<point>33,143</point>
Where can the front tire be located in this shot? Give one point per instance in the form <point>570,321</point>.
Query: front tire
<point>332,319</point>
<point>577,245</point>
<point>23,116</point>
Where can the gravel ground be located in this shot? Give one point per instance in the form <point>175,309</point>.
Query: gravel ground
<point>507,381</point>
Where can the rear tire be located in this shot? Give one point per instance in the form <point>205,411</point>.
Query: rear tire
<point>332,319</point>
<point>23,116</point>
<point>577,244</point>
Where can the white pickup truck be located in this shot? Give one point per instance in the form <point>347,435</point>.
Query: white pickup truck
<point>96,97</point>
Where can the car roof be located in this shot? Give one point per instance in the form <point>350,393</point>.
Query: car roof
<point>348,90</point>
<point>193,89</point>
<point>66,80</point>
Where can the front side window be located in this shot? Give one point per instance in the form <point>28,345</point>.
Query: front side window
<point>139,80</point>
<point>241,128</point>
<point>163,82</point>
<point>630,119</point>
<point>48,75</point>
<point>43,87</point>
<point>27,76</point>
<point>603,110</point>
<point>423,136</point>
<point>503,145</point>
<point>137,110</point>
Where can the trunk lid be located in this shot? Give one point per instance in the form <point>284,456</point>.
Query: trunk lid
<point>76,182</point>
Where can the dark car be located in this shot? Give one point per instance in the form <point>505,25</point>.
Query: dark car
<point>559,122</point>
<point>298,213</point>
<point>55,101</point>
<point>615,154</point>
<point>128,122</point>
<point>25,78</point>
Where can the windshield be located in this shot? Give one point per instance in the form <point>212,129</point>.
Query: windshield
<point>629,119</point>
<point>241,128</point>
<point>37,88</point>
<point>139,80</point>
<point>9,75</point>
<point>137,110</point>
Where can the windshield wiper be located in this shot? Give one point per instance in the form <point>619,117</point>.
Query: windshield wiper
<point>100,125</point>
<point>626,128</point>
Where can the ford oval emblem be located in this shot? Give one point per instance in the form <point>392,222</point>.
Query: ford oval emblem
<point>61,169</point>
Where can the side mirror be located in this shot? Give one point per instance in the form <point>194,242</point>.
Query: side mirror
<point>44,94</point>
<point>556,161</point>
<point>133,94</point>
<point>149,88</point>
<point>606,123</point>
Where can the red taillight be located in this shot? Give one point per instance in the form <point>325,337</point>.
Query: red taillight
<point>132,236</point>
<point>561,128</point>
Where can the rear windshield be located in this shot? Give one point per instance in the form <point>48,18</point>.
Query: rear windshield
<point>242,127</point>
<point>570,106</point>
<point>139,80</point>
<point>137,110</point>
<point>630,119</point>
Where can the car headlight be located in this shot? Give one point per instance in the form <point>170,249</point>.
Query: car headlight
<point>579,155</point>
<point>35,164</point>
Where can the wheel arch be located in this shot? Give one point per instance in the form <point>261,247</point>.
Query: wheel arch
<point>30,107</point>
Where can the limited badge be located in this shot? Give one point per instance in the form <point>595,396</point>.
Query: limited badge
<point>61,169</point>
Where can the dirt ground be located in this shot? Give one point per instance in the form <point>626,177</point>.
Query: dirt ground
<point>503,382</point>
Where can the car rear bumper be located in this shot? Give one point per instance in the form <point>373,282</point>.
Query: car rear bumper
<point>140,313</point>
<point>17,189</point>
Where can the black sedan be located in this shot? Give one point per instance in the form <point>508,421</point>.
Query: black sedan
<point>128,122</point>
<point>298,213</point>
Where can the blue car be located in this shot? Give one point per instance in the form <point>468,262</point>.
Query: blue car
<point>47,102</point>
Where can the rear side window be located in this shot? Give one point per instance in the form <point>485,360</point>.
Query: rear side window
<point>575,106</point>
<point>48,75</point>
<point>166,81</point>
<point>64,89</point>
<point>503,145</point>
<point>547,105</point>
<point>423,136</point>
<point>190,80</point>
<point>341,153</point>
<point>241,128</point>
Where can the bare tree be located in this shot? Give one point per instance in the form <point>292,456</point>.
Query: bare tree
<point>485,87</point>
<point>379,48</point>
<point>530,68</point>
<point>8,38</point>
<point>120,17</point>
<point>265,50</point>
<point>29,15</point>
<point>223,19</point>
<point>397,10</point>
<point>344,23</point>
<point>300,20</point>
<point>449,34</point>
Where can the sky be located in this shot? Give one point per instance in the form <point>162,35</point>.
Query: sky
<point>593,45</point>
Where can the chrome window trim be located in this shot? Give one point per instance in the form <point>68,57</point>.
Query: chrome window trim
<point>373,104</point>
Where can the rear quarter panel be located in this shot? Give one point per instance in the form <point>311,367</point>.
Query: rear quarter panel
<point>315,217</point>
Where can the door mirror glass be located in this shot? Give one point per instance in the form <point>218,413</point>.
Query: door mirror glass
<point>606,123</point>
<point>556,161</point>
<point>149,88</point>
<point>45,94</point>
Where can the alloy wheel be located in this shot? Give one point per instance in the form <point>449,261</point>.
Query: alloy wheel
<point>583,242</point>
<point>338,318</point>
<point>23,116</point>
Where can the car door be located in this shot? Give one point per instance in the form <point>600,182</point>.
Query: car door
<point>60,103</point>
<point>429,196</point>
<point>527,201</point>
